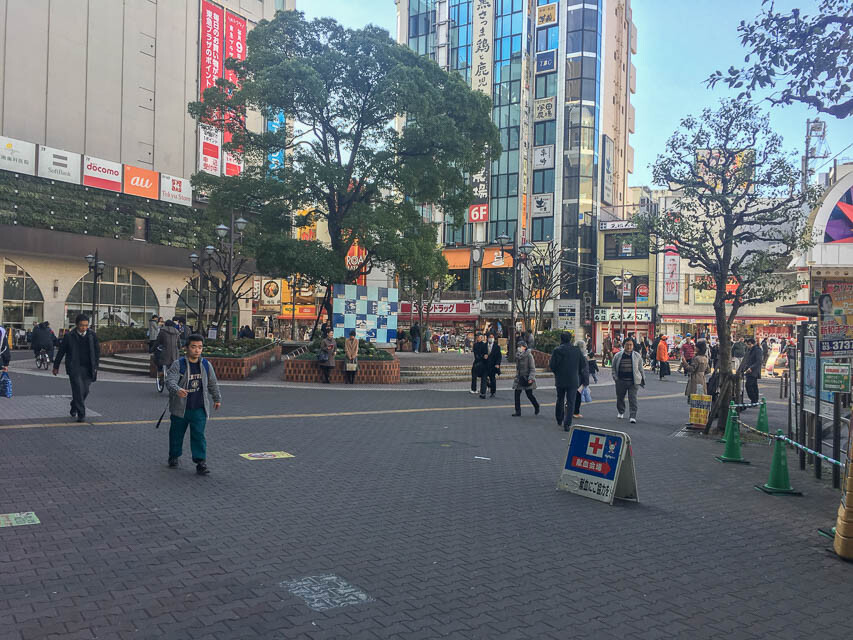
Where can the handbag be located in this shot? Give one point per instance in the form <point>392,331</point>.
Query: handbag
<point>586,396</point>
<point>352,365</point>
<point>323,356</point>
<point>5,385</point>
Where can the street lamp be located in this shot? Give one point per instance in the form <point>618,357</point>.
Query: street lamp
<point>519,254</point>
<point>238,225</point>
<point>96,268</point>
<point>624,277</point>
<point>197,263</point>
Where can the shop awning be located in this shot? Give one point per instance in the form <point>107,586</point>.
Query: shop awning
<point>494,259</point>
<point>693,319</point>
<point>457,258</point>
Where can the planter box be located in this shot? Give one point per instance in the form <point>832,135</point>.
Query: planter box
<point>242,368</point>
<point>541,359</point>
<point>124,346</point>
<point>369,371</point>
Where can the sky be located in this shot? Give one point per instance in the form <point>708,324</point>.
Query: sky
<point>679,44</point>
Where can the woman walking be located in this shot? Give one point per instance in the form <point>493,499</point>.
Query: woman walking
<point>326,357</point>
<point>663,357</point>
<point>697,370</point>
<point>584,378</point>
<point>351,349</point>
<point>525,378</point>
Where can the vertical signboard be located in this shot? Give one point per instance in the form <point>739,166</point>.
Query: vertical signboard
<point>482,59</point>
<point>235,47</point>
<point>276,159</point>
<point>209,150</point>
<point>479,209</point>
<point>212,17</point>
<point>671,274</point>
<point>355,258</point>
<point>835,305</point>
<point>607,171</point>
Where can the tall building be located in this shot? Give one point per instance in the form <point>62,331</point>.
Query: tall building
<point>549,67</point>
<point>97,148</point>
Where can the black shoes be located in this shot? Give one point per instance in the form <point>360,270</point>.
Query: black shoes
<point>73,413</point>
<point>173,462</point>
<point>483,396</point>
<point>81,417</point>
<point>201,469</point>
<point>566,428</point>
<point>516,415</point>
<point>492,395</point>
<point>536,410</point>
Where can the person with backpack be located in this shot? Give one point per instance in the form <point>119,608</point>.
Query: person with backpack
<point>167,347</point>
<point>81,351</point>
<point>192,385</point>
<point>43,338</point>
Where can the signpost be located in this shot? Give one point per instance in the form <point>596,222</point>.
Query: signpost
<point>836,377</point>
<point>599,465</point>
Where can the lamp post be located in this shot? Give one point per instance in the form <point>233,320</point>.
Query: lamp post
<point>96,267</point>
<point>293,308</point>
<point>222,231</point>
<point>198,265</point>
<point>624,277</point>
<point>519,254</point>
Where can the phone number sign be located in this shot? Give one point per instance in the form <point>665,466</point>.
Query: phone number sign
<point>594,466</point>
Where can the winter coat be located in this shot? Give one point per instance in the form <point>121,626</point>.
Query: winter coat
<point>70,347</point>
<point>663,351</point>
<point>176,381</point>
<point>329,346</point>
<point>167,348</point>
<point>153,329</point>
<point>351,349</point>
<point>42,338</point>
<point>738,349</point>
<point>753,361</point>
<point>567,365</point>
<point>480,351</point>
<point>636,361</point>
<point>525,369</point>
<point>697,370</point>
<point>654,352</point>
<point>493,358</point>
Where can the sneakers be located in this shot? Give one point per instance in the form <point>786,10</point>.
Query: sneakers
<point>173,462</point>
<point>577,415</point>
<point>620,415</point>
<point>201,469</point>
<point>633,421</point>
<point>472,392</point>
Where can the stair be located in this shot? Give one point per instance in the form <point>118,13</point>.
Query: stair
<point>133,364</point>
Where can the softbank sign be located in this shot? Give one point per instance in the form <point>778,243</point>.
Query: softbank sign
<point>101,174</point>
<point>176,190</point>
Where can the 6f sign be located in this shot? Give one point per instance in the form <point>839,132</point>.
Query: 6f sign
<point>478,213</point>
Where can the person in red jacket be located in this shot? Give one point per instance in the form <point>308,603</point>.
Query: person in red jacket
<point>663,357</point>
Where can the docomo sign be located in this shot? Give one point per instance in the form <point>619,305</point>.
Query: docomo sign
<point>101,174</point>
<point>478,213</point>
<point>141,182</point>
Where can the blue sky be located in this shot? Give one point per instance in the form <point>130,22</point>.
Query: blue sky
<point>679,45</point>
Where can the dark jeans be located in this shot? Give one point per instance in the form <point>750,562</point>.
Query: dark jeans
<point>489,381</point>
<point>195,419</point>
<point>350,377</point>
<point>325,371</point>
<point>623,387</point>
<point>752,388</point>
<point>564,416</point>
<point>577,402</point>
<point>79,391</point>
<point>530,397</point>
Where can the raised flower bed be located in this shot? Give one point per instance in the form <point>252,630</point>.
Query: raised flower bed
<point>375,366</point>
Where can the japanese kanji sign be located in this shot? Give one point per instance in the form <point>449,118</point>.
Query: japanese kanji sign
<point>599,465</point>
<point>482,56</point>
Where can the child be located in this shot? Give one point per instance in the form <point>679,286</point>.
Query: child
<point>192,383</point>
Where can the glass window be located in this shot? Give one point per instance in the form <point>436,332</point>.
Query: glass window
<point>624,245</point>
<point>461,279</point>
<point>542,229</point>
<point>543,181</point>
<point>545,133</point>
<point>611,291</point>
<point>546,85</point>
<point>547,38</point>
<point>13,288</point>
<point>497,279</point>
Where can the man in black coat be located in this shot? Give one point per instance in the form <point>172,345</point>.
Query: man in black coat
<point>491,368</point>
<point>81,351</point>
<point>478,369</point>
<point>43,339</point>
<point>751,369</point>
<point>567,364</point>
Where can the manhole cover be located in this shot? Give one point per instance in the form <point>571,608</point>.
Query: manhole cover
<point>326,592</point>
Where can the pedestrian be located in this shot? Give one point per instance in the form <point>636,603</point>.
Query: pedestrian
<point>607,350</point>
<point>81,351</point>
<point>427,339</point>
<point>698,369</point>
<point>751,369</point>
<point>351,351</point>
<point>415,332</point>
<point>492,367</point>
<point>738,353</point>
<point>663,356</point>
<point>326,357</point>
<point>5,353</point>
<point>628,376</point>
<point>529,339</point>
<point>593,368</point>
<point>153,331</point>
<point>688,350</point>
<point>566,364</point>
<point>192,384</point>
<point>43,338</point>
<point>525,378</point>
<point>167,348</point>
<point>478,368</point>
<point>584,378</point>
<point>765,351</point>
<point>653,353</point>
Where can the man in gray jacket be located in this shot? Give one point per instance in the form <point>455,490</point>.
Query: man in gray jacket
<point>192,384</point>
<point>628,376</point>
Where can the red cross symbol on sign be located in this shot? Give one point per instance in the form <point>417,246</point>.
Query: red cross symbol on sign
<point>595,446</point>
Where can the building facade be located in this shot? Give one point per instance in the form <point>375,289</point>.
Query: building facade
<point>98,148</point>
<point>545,66</point>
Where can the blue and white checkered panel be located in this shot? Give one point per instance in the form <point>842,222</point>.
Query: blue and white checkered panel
<point>370,311</point>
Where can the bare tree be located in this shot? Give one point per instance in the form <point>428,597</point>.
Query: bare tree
<point>540,283</point>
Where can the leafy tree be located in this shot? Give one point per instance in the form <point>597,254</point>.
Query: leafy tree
<point>344,89</point>
<point>738,215</point>
<point>423,277</point>
<point>808,58</point>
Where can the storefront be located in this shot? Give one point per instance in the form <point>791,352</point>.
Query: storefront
<point>454,317</point>
<point>704,326</point>
<point>607,322</point>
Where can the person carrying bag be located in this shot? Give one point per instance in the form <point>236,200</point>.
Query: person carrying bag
<point>351,349</point>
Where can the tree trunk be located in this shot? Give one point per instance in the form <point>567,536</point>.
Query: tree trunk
<point>727,388</point>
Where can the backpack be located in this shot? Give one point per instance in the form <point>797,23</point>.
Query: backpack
<point>183,365</point>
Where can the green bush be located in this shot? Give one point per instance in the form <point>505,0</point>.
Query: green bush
<point>236,348</point>
<point>366,351</point>
<point>547,341</point>
<point>108,334</point>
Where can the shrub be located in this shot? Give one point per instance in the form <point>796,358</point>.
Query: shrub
<point>366,351</point>
<point>547,341</point>
<point>236,348</point>
<point>108,334</point>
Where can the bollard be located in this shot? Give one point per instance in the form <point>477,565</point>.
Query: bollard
<point>762,425</point>
<point>732,451</point>
<point>730,421</point>
<point>779,483</point>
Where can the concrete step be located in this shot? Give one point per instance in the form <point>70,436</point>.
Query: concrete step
<point>128,367</point>
<point>133,357</point>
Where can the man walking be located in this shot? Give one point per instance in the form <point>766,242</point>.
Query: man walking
<point>478,369</point>
<point>751,369</point>
<point>192,384</point>
<point>81,351</point>
<point>415,332</point>
<point>567,365</point>
<point>628,375</point>
<point>492,367</point>
<point>153,332</point>
<point>688,351</point>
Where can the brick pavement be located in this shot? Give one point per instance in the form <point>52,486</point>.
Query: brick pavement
<point>445,545</point>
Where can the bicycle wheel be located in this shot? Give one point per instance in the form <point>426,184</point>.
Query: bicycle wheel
<point>161,380</point>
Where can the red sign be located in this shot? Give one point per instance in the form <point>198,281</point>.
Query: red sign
<point>355,258</point>
<point>443,308</point>
<point>235,47</point>
<point>596,466</point>
<point>101,174</point>
<point>478,213</point>
<point>212,17</point>
<point>643,291</point>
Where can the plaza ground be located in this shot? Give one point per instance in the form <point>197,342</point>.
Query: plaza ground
<point>426,512</point>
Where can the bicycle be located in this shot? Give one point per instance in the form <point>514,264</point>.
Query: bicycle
<point>160,381</point>
<point>42,361</point>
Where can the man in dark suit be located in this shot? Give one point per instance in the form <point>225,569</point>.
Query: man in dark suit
<point>492,367</point>
<point>81,351</point>
<point>751,369</point>
<point>478,369</point>
<point>567,364</point>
